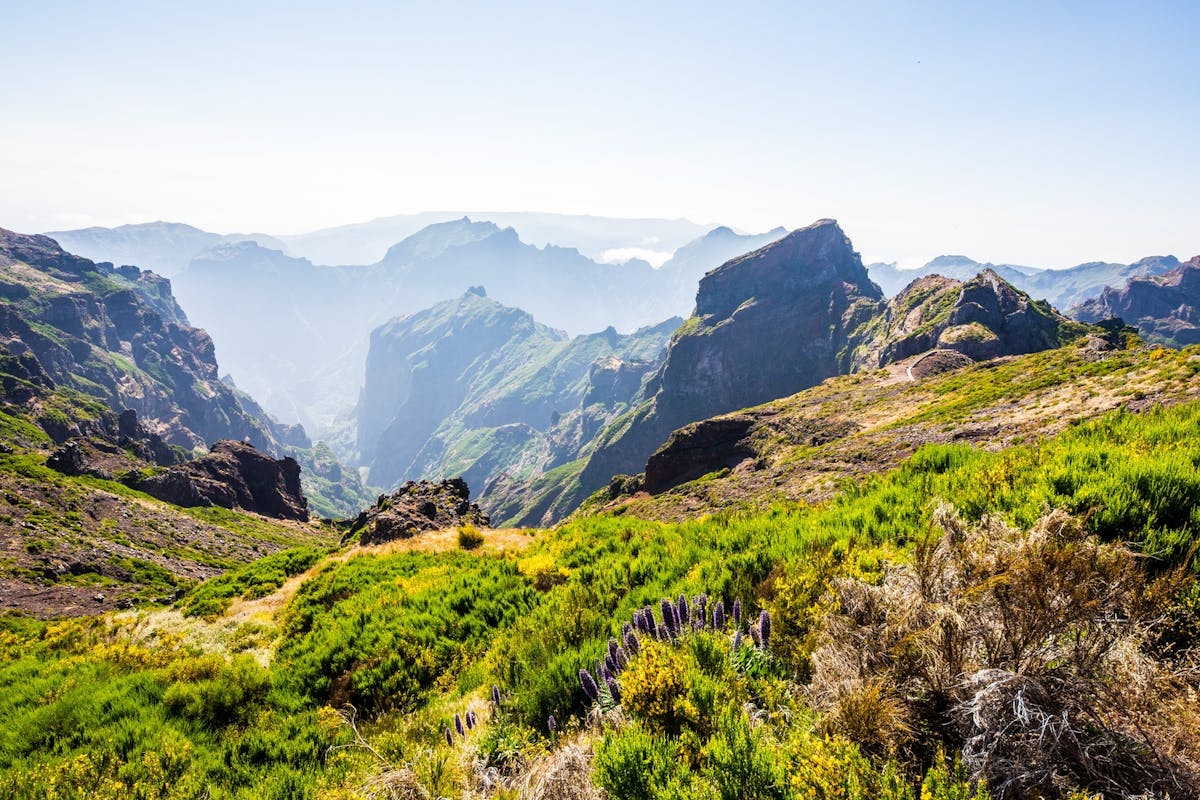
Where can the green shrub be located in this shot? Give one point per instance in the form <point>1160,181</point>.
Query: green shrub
<point>634,763</point>
<point>469,537</point>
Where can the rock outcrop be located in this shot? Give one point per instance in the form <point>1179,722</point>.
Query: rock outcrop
<point>1164,309</point>
<point>415,507</point>
<point>115,445</point>
<point>983,318</point>
<point>232,475</point>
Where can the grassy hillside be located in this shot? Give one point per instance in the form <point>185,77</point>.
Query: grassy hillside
<point>804,447</point>
<point>345,679</point>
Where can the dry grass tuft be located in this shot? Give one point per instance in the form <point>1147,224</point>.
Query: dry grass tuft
<point>396,784</point>
<point>565,773</point>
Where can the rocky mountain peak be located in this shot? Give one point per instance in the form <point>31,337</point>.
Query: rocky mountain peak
<point>819,255</point>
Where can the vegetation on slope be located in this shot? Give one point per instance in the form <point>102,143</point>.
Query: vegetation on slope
<point>804,447</point>
<point>412,635</point>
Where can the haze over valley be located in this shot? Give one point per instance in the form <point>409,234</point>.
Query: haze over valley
<point>616,402</point>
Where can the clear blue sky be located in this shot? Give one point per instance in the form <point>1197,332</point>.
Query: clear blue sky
<point>1041,133</point>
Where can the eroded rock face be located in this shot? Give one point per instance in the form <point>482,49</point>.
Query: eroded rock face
<point>1165,308</point>
<point>112,446</point>
<point>698,449</point>
<point>768,324</point>
<point>415,507</point>
<point>233,475</point>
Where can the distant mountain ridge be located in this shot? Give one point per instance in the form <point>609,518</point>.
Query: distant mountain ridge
<point>1062,288</point>
<point>475,388</point>
<point>310,323</point>
<point>594,236</point>
<point>1165,308</point>
<point>165,247</point>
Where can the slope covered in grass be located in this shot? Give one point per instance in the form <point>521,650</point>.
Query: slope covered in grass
<point>411,636</point>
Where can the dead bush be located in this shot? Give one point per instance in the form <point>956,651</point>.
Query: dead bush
<point>1028,651</point>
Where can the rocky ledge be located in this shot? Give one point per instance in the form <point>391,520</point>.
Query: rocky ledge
<point>415,507</point>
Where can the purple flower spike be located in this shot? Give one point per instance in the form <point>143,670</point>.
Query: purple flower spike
<point>764,629</point>
<point>625,629</point>
<point>470,720</point>
<point>449,737</point>
<point>614,689</point>
<point>682,612</point>
<point>622,659</point>
<point>737,640</point>
<point>589,685</point>
<point>613,644</point>
<point>458,725</point>
<point>632,643</point>
<point>737,612</point>
<point>551,724</point>
<point>701,610</point>
<point>755,635</point>
<point>610,668</point>
<point>719,615</point>
<point>605,672</point>
<point>495,694</point>
<point>668,615</point>
<point>661,633</point>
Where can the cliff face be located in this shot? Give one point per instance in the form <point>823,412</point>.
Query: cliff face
<point>118,335</point>
<point>767,324</point>
<point>1165,309</point>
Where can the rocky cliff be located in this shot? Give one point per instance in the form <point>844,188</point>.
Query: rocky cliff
<point>118,335</point>
<point>766,325</point>
<point>775,322</point>
<point>1164,309</point>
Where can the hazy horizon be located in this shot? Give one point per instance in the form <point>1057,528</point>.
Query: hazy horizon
<point>1030,134</point>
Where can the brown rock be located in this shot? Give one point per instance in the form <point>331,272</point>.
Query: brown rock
<point>233,475</point>
<point>415,507</point>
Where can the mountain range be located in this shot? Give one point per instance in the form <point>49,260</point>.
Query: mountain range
<point>781,319</point>
<point>311,322</point>
<point>179,624</point>
<point>1062,288</point>
<point>1164,307</point>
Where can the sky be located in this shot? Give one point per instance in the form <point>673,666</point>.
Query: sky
<point>1045,133</point>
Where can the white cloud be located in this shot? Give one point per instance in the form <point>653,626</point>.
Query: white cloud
<point>619,255</point>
